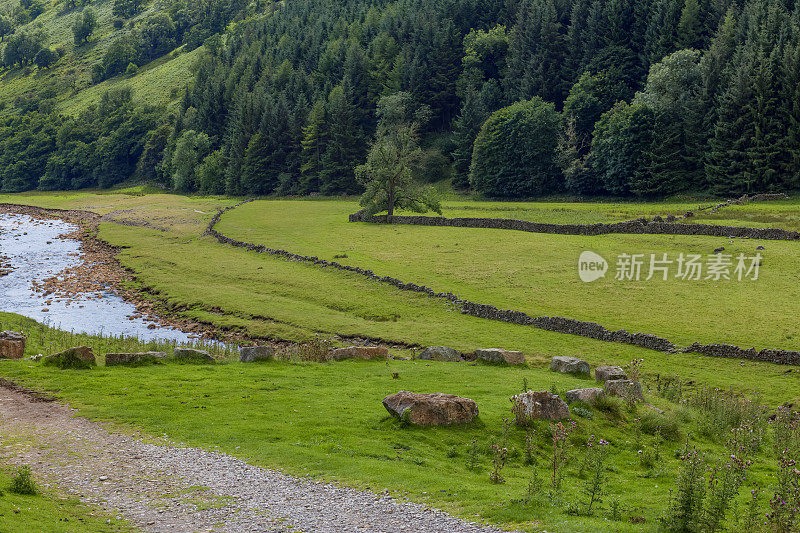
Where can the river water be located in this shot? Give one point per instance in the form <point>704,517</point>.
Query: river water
<point>34,250</point>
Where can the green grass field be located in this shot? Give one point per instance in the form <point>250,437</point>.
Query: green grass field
<point>288,404</point>
<point>274,298</point>
<point>537,273</point>
<point>281,414</point>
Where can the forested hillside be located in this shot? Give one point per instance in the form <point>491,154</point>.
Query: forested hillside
<point>520,98</point>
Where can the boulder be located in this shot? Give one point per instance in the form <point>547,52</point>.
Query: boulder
<point>249,354</point>
<point>190,355</point>
<point>12,344</point>
<point>78,357</point>
<point>624,387</point>
<point>440,353</point>
<point>432,409</point>
<point>538,404</point>
<point>569,365</point>
<point>359,352</point>
<point>498,355</point>
<point>605,373</point>
<point>584,395</point>
<point>134,359</point>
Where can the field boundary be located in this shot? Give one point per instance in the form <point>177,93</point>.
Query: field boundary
<point>556,324</point>
<point>640,226</point>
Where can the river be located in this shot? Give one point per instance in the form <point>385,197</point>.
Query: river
<point>35,252</point>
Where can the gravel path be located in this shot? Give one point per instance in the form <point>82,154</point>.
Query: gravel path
<point>162,486</point>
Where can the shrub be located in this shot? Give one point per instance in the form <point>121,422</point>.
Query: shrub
<point>22,482</point>
<point>514,152</point>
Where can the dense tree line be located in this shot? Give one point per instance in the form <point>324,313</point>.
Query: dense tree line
<point>98,148</point>
<point>526,97</point>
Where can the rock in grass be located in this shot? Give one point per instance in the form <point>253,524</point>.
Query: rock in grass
<point>359,352</point>
<point>190,355</point>
<point>431,409</point>
<point>440,353</point>
<point>135,359</point>
<point>569,365</point>
<point>78,358</point>
<point>605,373</point>
<point>538,404</point>
<point>12,344</point>
<point>498,355</point>
<point>584,395</point>
<point>624,388</point>
<point>249,354</point>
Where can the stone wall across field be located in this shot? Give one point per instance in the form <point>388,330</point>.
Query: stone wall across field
<point>570,326</point>
<point>640,226</point>
<point>781,357</point>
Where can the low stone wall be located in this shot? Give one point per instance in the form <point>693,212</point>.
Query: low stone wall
<point>640,226</point>
<point>781,357</point>
<point>570,326</point>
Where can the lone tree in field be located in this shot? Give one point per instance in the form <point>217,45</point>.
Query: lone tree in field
<point>388,173</point>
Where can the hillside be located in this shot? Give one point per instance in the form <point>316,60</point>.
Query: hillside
<point>622,98</point>
<point>69,79</point>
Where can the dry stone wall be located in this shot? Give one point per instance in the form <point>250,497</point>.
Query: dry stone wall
<point>571,326</point>
<point>640,226</point>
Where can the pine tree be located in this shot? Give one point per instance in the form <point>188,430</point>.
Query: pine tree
<point>536,54</point>
<point>345,145</point>
<point>313,147</point>
<point>791,99</point>
<point>768,153</point>
<point>689,30</point>
<point>728,168</point>
<point>465,129</point>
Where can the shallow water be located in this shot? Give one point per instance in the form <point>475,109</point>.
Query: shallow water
<point>24,242</point>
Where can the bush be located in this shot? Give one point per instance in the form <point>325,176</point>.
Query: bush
<point>514,154</point>
<point>22,482</point>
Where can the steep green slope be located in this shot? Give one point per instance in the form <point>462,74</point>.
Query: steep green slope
<point>69,80</point>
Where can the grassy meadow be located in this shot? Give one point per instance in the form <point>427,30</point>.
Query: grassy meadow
<point>326,419</point>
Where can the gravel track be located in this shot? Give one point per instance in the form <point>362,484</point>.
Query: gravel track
<point>159,485</point>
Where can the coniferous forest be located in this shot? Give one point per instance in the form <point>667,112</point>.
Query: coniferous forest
<point>518,98</point>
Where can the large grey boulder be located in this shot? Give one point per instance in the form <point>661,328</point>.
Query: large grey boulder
<point>569,365</point>
<point>625,388</point>
<point>440,353</point>
<point>588,395</point>
<point>12,344</point>
<point>431,409</point>
<point>605,373</point>
<point>498,355</point>
<point>190,355</point>
<point>249,354</point>
<point>538,404</point>
<point>134,359</point>
<point>359,352</point>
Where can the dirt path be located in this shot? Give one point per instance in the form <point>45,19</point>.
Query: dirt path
<point>162,486</point>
